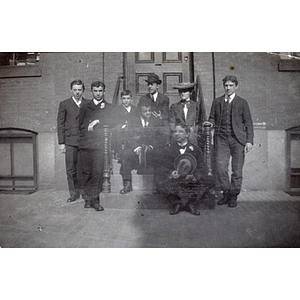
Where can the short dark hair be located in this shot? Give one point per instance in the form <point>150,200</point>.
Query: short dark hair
<point>98,84</point>
<point>126,93</point>
<point>186,128</point>
<point>77,82</point>
<point>230,78</point>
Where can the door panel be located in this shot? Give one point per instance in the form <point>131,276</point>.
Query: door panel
<point>171,67</point>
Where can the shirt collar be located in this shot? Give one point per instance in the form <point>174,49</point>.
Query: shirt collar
<point>96,102</point>
<point>182,145</point>
<point>231,97</point>
<point>127,108</point>
<point>154,96</point>
<point>77,102</point>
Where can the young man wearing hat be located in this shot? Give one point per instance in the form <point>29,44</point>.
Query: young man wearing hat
<point>184,111</point>
<point>159,102</point>
<point>230,115</point>
<point>183,173</point>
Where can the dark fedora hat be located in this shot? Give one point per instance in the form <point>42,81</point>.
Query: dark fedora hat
<point>153,78</point>
<point>184,85</point>
<point>185,164</point>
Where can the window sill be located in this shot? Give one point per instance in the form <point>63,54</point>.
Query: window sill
<point>20,71</point>
<point>289,65</point>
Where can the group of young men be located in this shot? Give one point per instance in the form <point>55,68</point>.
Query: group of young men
<point>156,137</point>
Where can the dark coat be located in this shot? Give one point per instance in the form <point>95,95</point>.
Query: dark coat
<point>170,153</point>
<point>161,104</point>
<point>151,135</point>
<point>177,115</point>
<point>241,118</point>
<point>68,121</point>
<point>182,186</point>
<point>121,115</point>
<point>88,113</point>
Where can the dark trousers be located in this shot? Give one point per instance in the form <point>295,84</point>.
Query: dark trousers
<point>129,161</point>
<point>92,173</point>
<point>182,200</point>
<point>73,169</point>
<point>227,146</point>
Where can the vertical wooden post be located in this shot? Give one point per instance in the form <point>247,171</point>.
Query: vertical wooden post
<point>106,170</point>
<point>207,131</point>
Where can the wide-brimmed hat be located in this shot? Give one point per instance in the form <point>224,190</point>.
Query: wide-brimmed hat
<point>184,85</point>
<point>153,78</point>
<point>185,164</point>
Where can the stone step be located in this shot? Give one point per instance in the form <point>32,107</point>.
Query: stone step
<point>144,200</point>
<point>133,200</point>
<point>139,182</point>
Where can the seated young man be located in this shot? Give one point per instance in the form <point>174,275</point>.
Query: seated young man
<point>124,115</point>
<point>183,172</point>
<point>144,141</point>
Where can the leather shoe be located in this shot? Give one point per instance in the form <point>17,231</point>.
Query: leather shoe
<point>87,204</point>
<point>126,188</point>
<point>224,200</point>
<point>98,207</point>
<point>175,210</point>
<point>232,203</point>
<point>193,210</point>
<point>73,198</point>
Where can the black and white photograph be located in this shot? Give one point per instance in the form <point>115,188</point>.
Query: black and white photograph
<point>150,150</point>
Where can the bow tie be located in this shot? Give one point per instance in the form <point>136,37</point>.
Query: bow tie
<point>182,147</point>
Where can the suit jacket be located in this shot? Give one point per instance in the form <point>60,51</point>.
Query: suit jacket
<point>161,104</point>
<point>68,121</point>
<point>151,135</point>
<point>90,112</point>
<point>241,118</point>
<point>177,115</point>
<point>121,115</point>
<point>170,153</point>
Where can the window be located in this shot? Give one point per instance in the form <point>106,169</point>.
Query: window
<point>19,58</point>
<point>289,61</point>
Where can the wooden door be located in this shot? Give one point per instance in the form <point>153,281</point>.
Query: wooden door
<point>171,67</point>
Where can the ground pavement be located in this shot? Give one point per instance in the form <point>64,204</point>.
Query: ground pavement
<point>139,220</point>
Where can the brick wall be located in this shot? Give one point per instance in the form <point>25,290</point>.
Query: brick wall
<point>32,102</point>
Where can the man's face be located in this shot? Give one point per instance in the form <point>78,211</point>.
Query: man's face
<point>184,94</point>
<point>146,112</point>
<point>180,134</point>
<point>126,100</point>
<point>77,91</point>
<point>230,87</point>
<point>98,93</point>
<point>153,87</point>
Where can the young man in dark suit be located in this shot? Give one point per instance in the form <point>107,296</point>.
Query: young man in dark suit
<point>93,116</point>
<point>183,172</point>
<point>145,138</point>
<point>68,136</point>
<point>184,111</point>
<point>159,102</point>
<point>124,115</point>
<point>233,136</point>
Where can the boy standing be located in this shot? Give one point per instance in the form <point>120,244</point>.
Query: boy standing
<point>93,116</point>
<point>124,115</point>
<point>68,136</point>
